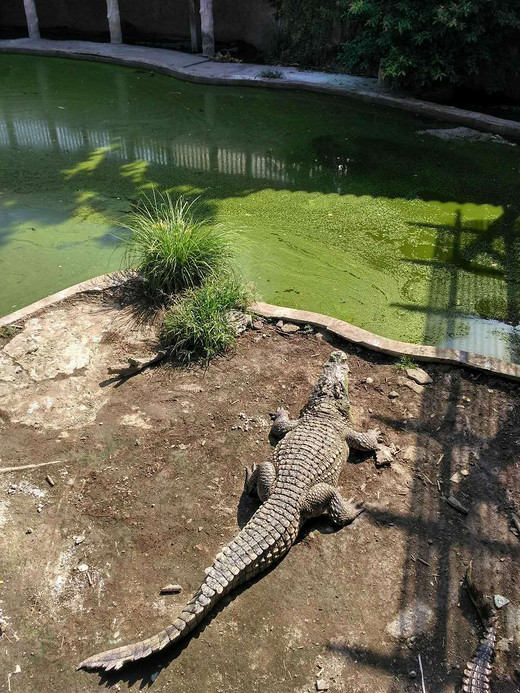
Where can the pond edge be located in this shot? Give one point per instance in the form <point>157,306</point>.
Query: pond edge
<point>339,328</point>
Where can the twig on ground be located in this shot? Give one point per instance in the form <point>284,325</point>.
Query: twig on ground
<point>3,470</point>
<point>422,674</point>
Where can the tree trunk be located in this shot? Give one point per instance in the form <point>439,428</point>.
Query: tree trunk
<point>32,19</point>
<point>194,26</point>
<point>206,24</point>
<point>114,21</point>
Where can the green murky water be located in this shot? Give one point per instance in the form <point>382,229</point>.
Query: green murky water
<point>340,207</point>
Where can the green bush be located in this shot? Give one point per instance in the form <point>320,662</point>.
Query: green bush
<point>171,248</point>
<point>421,44</point>
<point>198,324</point>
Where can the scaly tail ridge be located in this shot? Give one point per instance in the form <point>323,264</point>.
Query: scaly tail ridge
<point>265,538</point>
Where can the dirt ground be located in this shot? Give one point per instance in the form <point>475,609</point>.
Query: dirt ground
<point>151,476</point>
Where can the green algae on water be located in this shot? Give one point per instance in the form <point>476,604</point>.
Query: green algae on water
<point>340,207</point>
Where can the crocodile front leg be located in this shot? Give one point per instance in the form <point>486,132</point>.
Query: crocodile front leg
<point>323,497</point>
<point>367,441</point>
<point>260,479</point>
<point>282,424</point>
<point>370,441</point>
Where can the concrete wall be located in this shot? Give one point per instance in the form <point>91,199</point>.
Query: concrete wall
<point>13,23</point>
<point>79,19</point>
<point>151,21</point>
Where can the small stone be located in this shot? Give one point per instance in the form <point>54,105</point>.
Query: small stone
<point>419,376</point>
<point>171,589</point>
<point>279,323</point>
<point>79,540</point>
<point>393,394</point>
<point>456,478</point>
<point>322,685</point>
<point>82,568</point>
<point>464,472</point>
<point>319,336</point>
<point>289,328</point>
<point>49,480</point>
<point>457,505</point>
<point>413,674</point>
<point>500,601</point>
<point>258,325</point>
<point>369,381</point>
<point>29,530</point>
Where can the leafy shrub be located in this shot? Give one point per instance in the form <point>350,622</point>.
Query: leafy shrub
<point>198,323</point>
<point>420,44</point>
<point>171,248</point>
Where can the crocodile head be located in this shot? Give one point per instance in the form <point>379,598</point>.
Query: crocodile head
<point>333,383</point>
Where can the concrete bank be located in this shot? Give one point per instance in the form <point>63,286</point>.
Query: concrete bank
<point>195,68</point>
<point>339,328</point>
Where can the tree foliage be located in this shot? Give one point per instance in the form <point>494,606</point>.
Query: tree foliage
<point>420,44</point>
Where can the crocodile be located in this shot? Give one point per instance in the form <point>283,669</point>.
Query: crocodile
<point>478,671</point>
<point>298,482</point>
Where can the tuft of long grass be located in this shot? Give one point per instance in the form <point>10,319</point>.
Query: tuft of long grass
<point>172,248</point>
<point>198,325</point>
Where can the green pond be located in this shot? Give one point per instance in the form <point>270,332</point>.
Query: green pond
<point>338,207</point>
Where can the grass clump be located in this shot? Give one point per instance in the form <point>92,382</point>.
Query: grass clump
<point>171,248</point>
<point>271,74</point>
<point>404,363</point>
<point>199,324</point>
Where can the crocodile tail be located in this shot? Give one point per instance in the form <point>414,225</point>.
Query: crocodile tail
<point>266,537</point>
<point>478,671</point>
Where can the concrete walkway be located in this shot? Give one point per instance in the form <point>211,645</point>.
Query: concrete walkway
<point>195,68</point>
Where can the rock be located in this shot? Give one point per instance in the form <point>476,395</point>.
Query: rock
<point>289,328</point>
<point>393,394</point>
<point>456,478</point>
<point>238,320</point>
<point>500,601</point>
<point>503,645</point>
<point>279,323</point>
<point>413,674</point>
<point>415,387</point>
<point>369,381</point>
<point>322,685</point>
<point>171,589</point>
<point>457,505</point>
<point>258,325</point>
<point>385,455</point>
<point>419,376</point>
<point>319,336</point>
<point>29,530</point>
<point>79,540</point>
<point>82,568</point>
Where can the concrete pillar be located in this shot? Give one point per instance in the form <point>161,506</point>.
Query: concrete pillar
<point>206,26</point>
<point>32,19</point>
<point>114,21</point>
<point>194,26</point>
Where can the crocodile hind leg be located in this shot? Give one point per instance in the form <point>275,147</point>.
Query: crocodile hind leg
<point>260,479</point>
<point>282,424</point>
<point>323,497</point>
